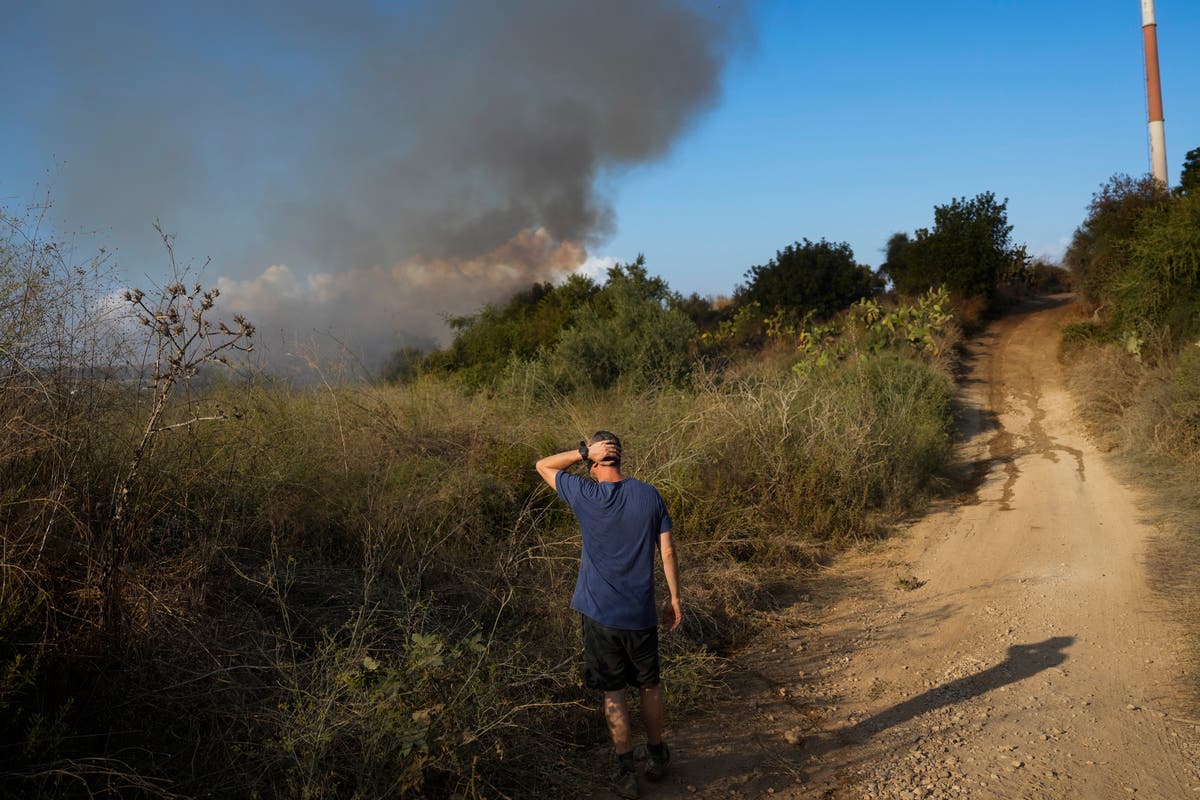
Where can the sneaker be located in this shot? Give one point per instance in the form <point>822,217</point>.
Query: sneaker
<point>624,783</point>
<point>656,770</point>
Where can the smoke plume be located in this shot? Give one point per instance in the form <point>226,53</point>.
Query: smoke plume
<point>367,169</point>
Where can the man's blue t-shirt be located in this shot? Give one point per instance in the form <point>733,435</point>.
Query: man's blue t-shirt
<point>621,523</point>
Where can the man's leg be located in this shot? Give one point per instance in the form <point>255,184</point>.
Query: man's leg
<point>656,748</point>
<point>616,711</point>
<point>624,780</point>
<point>652,713</point>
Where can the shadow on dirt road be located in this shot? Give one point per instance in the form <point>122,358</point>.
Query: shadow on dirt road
<point>1023,661</point>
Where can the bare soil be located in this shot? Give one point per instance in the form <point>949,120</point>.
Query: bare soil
<point>1005,645</point>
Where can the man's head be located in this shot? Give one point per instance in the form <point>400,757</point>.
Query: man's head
<point>607,436</point>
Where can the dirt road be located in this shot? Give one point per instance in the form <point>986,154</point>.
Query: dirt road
<point>1005,646</point>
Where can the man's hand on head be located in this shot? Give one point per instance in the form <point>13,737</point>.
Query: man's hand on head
<point>604,452</point>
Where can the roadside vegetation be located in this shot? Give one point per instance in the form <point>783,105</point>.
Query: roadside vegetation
<point>214,583</point>
<point>1134,361</point>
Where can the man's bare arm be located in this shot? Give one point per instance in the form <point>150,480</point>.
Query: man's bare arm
<point>672,613</point>
<point>550,466</point>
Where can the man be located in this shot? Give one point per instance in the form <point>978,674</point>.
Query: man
<point>623,520</point>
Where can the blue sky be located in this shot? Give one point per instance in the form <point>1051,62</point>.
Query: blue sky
<point>850,121</point>
<point>289,140</point>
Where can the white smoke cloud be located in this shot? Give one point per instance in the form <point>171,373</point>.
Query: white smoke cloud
<point>368,309</point>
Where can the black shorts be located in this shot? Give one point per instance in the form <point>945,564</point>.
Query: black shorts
<point>615,658</point>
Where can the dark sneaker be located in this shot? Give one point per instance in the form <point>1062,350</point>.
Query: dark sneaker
<point>624,783</point>
<point>656,770</point>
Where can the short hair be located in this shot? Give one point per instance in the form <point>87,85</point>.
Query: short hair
<point>607,436</point>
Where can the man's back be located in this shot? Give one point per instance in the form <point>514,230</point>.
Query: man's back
<point>621,522</point>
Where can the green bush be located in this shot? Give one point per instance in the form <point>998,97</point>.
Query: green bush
<point>1098,251</point>
<point>1159,290</point>
<point>819,278</point>
<point>968,250</point>
<point>530,322</point>
<point>629,333</point>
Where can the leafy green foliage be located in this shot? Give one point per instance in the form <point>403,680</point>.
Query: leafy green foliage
<point>531,320</point>
<point>920,330</point>
<point>630,332</point>
<point>706,313</point>
<point>968,250</point>
<point>400,724</point>
<point>1160,288</point>
<point>921,327</point>
<point>746,327</point>
<point>1138,258</point>
<point>806,277</point>
<point>1189,176</point>
<point>1047,278</point>
<point>1098,249</point>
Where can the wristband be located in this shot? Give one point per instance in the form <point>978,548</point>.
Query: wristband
<point>583,451</point>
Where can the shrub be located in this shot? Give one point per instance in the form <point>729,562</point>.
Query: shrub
<point>631,332</point>
<point>1098,249</point>
<point>531,321</point>
<point>1160,287</point>
<point>819,278</point>
<point>968,250</point>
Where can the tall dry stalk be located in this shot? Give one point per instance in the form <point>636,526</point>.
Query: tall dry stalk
<point>183,338</point>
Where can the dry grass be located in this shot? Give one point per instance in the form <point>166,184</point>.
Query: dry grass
<point>354,590</point>
<point>348,577</point>
<point>1149,416</point>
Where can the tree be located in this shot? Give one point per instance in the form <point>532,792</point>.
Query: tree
<point>968,250</point>
<point>1189,176</point>
<point>631,331</point>
<point>897,263</point>
<point>1099,248</point>
<point>1158,290</point>
<point>531,320</point>
<point>819,277</point>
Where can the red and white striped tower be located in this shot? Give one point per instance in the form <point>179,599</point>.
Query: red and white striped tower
<point>1158,139</point>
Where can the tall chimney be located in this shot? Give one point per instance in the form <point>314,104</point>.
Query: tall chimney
<point>1158,139</point>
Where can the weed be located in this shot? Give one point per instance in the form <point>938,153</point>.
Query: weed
<point>909,583</point>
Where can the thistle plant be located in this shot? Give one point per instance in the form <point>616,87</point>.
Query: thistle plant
<point>183,337</point>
